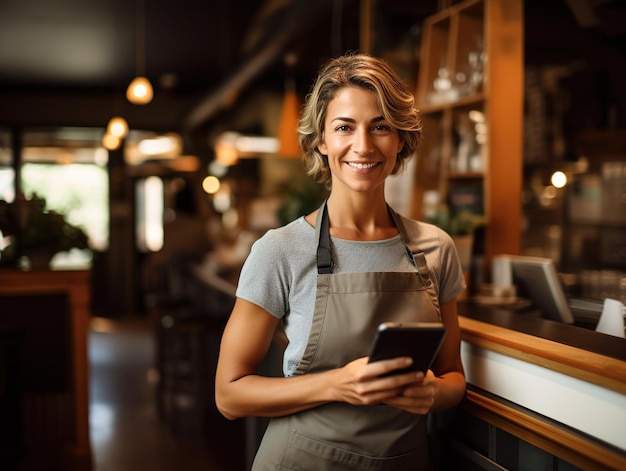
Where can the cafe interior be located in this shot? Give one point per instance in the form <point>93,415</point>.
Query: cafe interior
<point>145,145</point>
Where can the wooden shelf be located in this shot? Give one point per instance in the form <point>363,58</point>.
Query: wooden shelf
<point>429,108</point>
<point>470,93</point>
<point>465,175</point>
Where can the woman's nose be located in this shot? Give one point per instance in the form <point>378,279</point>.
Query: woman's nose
<point>362,144</point>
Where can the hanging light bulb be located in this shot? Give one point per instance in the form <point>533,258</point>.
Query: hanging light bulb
<point>111,142</point>
<point>117,127</point>
<point>140,92</point>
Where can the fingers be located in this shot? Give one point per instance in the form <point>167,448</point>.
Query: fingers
<point>392,367</point>
<point>366,383</point>
<point>374,383</point>
<point>418,398</point>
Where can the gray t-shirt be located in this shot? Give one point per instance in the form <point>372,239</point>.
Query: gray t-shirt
<point>280,272</point>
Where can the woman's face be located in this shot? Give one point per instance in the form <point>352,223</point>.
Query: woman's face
<point>361,145</point>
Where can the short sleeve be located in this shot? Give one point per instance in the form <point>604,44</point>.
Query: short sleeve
<point>262,280</point>
<point>280,266</point>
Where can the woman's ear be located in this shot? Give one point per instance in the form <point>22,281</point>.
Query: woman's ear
<point>322,149</point>
<point>400,146</point>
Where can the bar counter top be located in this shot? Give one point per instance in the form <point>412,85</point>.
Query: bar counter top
<point>529,322</point>
<point>557,386</point>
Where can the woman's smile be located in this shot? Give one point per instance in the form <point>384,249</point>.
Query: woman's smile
<point>362,165</point>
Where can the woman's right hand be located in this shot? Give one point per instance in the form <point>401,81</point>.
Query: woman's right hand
<point>363,383</point>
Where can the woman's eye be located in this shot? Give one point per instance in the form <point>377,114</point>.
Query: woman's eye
<point>381,127</point>
<point>343,128</point>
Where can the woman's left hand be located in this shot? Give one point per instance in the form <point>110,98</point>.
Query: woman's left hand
<point>417,398</point>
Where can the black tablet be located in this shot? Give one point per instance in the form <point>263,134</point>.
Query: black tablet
<point>418,340</point>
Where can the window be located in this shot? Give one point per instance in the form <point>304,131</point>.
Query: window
<point>7,174</point>
<point>67,167</point>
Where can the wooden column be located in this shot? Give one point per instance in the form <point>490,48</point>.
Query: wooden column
<point>504,44</point>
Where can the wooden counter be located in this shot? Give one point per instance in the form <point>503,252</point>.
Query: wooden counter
<point>76,286</point>
<point>557,387</point>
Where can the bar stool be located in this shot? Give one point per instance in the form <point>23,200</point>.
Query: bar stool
<point>187,350</point>
<point>190,318</point>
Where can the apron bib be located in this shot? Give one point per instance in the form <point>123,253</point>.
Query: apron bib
<point>348,309</point>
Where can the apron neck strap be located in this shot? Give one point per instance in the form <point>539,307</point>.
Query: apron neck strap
<point>325,262</point>
<point>413,251</point>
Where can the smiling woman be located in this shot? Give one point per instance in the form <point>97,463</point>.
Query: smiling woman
<point>337,273</point>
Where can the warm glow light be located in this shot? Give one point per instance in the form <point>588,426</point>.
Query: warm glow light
<point>256,144</point>
<point>111,142</point>
<point>211,184</point>
<point>153,213</point>
<point>231,146</point>
<point>65,158</point>
<point>140,91</point>
<point>158,145</point>
<point>226,154</point>
<point>477,116</point>
<point>184,163</point>
<point>118,127</point>
<point>288,126</point>
<point>480,128</point>
<point>558,179</point>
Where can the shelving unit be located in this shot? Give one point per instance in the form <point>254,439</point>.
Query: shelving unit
<point>470,92</point>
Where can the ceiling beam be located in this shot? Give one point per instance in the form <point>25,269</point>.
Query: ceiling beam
<point>584,13</point>
<point>297,17</point>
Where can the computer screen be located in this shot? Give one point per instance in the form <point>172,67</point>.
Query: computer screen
<point>536,279</point>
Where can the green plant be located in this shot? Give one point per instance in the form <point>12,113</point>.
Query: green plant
<point>37,230</point>
<point>463,222</point>
<point>302,196</point>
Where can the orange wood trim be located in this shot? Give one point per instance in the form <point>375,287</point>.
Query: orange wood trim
<point>557,441</point>
<point>597,369</point>
<point>76,283</point>
<point>504,43</point>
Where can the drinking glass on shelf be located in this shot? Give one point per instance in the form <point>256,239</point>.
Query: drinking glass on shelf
<point>475,60</point>
<point>461,83</point>
<point>443,86</point>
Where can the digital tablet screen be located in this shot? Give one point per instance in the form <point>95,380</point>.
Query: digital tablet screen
<point>418,340</point>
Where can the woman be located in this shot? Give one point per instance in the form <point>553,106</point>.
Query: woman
<point>329,279</point>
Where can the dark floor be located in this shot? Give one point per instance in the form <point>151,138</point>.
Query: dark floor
<point>126,431</point>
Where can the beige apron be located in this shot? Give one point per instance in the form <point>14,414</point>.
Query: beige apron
<point>348,309</point>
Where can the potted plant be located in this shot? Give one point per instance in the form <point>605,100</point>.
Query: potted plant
<point>461,227</point>
<point>302,196</point>
<point>37,233</point>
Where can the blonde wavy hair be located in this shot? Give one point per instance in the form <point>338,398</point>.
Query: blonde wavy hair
<point>396,103</point>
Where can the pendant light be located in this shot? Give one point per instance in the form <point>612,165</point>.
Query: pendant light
<point>116,131</point>
<point>117,127</point>
<point>111,142</point>
<point>140,91</point>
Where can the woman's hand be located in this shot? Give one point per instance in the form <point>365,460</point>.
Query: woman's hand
<point>363,383</point>
<point>418,397</point>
